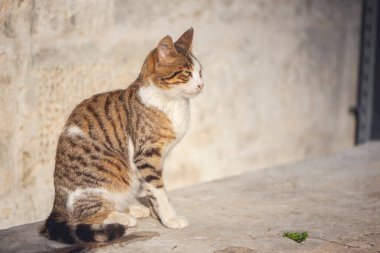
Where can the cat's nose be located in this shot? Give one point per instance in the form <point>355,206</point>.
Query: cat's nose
<point>200,86</point>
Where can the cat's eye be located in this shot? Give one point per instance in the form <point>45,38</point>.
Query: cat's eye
<point>186,73</point>
<point>200,74</point>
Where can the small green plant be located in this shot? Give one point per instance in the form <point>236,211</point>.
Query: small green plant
<point>296,236</point>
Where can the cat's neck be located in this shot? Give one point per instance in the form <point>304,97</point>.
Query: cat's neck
<point>175,107</point>
<point>154,96</point>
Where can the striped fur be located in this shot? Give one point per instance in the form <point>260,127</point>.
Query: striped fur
<point>115,144</point>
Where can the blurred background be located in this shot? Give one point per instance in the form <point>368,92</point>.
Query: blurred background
<point>281,83</point>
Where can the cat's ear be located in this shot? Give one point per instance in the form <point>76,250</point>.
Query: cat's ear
<point>186,40</point>
<point>166,50</point>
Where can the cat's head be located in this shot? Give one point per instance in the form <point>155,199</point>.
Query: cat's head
<point>172,67</point>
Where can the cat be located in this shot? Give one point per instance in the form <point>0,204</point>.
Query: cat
<point>114,144</point>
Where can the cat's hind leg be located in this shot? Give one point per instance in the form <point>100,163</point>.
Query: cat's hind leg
<point>91,206</point>
<point>121,218</point>
<point>93,217</point>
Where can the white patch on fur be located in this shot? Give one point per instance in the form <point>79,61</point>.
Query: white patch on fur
<point>176,108</point>
<point>74,130</point>
<point>131,153</point>
<point>135,185</point>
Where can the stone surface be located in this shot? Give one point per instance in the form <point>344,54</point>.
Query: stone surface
<point>335,199</point>
<point>280,79</point>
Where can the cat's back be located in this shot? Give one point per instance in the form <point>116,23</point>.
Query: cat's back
<point>105,112</point>
<point>107,101</point>
<point>100,120</point>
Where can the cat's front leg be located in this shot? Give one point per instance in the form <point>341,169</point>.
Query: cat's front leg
<point>150,174</point>
<point>162,207</point>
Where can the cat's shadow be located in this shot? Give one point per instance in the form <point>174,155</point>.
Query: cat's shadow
<point>143,200</point>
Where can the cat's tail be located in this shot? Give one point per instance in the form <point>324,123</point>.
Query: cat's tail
<point>58,229</point>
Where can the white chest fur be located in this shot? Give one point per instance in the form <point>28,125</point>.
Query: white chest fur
<point>176,108</point>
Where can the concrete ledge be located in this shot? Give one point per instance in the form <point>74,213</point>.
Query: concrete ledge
<point>335,199</point>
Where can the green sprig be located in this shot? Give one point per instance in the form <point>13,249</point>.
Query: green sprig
<point>296,236</point>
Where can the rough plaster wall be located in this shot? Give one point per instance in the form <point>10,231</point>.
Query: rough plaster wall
<point>280,78</point>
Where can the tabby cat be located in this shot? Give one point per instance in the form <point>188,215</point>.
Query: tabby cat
<point>114,145</point>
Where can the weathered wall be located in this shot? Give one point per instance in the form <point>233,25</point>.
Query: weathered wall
<point>280,78</point>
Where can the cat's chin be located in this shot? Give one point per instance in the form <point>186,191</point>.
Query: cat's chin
<point>190,95</point>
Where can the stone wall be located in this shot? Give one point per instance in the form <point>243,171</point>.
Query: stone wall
<point>280,79</point>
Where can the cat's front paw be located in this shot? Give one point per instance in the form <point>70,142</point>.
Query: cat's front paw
<point>176,222</point>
